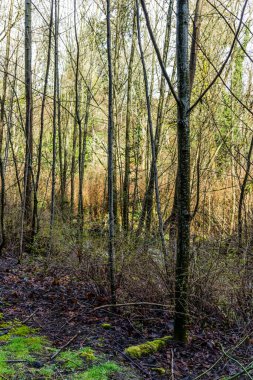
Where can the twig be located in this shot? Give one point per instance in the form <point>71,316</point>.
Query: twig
<point>65,345</point>
<point>67,322</point>
<point>136,365</point>
<point>237,375</point>
<point>172,365</point>
<point>221,357</point>
<point>130,304</point>
<point>245,369</point>
<point>15,361</point>
<point>30,316</point>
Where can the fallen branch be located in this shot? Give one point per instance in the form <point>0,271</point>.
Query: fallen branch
<point>65,345</point>
<point>131,304</point>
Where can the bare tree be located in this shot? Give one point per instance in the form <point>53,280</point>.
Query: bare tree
<point>183,195</point>
<point>42,116</point>
<point>111,246</point>
<point>152,141</point>
<point>27,196</point>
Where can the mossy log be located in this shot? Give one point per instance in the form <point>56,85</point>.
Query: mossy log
<point>147,348</point>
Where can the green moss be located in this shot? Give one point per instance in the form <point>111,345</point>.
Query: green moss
<point>26,344</point>
<point>75,359</point>
<point>22,330</point>
<point>147,348</point>
<point>23,348</point>
<point>6,325</point>
<point>14,328</point>
<point>5,369</point>
<point>161,371</point>
<point>29,353</point>
<point>106,326</point>
<point>99,372</point>
<point>71,359</point>
<point>5,338</point>
<point>88,354</point>
<point>47,372</point>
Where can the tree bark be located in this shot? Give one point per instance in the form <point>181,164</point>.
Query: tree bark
<point>111,245</point>
<point>148,198</point>
<point>183,194</point>
<point>152,141</point>
<point>26,219</point>
<point>42,114</point>
<point>125,216</point>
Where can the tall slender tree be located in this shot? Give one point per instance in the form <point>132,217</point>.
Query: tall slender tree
<point>126,183</point>
<point>111,243</point>
<point>2,118</point>
<point>152,141</point>
<point>55,117</point>
<point>27,193</point>
<point>42,122</point>
<point>183,195</point>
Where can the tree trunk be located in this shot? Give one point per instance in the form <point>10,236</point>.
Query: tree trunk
<point>55,117</point>
<point>148,199</point>
<point>27,196</point>
<point>183,193</point>
<point>111,248</point>
<point>125,216</point>
<point>37,181</point>
<point>152,142</point>
<point>2,117</point>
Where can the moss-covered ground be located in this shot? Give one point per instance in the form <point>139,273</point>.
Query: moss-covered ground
<point>25,354</point>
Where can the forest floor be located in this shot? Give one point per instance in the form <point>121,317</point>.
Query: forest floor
<point>63,309</point>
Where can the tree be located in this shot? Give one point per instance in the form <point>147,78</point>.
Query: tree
<point>42,122</point>
<point>111,221</point>
<point>27,193</point>
<point>183,194</point>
